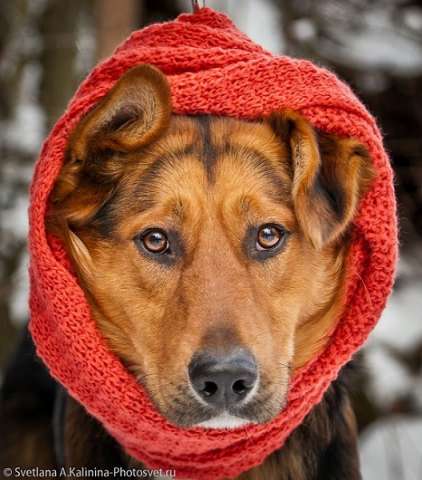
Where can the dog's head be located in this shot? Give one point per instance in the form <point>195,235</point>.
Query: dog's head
<point>211,249</point>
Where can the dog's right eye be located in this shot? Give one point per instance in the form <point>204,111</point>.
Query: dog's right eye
<point>155,241</point>
<point>161,246</point>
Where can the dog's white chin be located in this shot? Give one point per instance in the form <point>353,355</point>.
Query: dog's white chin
<point>225,420</point>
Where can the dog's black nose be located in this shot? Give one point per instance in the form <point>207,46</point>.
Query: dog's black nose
<point>223,380</point>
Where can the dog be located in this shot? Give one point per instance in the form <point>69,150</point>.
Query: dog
<point>212,252</point>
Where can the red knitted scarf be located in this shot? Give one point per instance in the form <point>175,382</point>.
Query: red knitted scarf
<point>213,69</point>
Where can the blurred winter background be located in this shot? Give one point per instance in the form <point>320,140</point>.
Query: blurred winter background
<point>48,46</point>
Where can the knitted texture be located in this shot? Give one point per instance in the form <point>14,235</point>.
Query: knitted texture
<point>212,68</point>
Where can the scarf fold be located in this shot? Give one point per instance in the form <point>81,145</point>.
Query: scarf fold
<point>214,69</point>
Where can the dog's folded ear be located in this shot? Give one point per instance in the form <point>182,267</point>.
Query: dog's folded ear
<point>329,176</point>
<point>132,115</point>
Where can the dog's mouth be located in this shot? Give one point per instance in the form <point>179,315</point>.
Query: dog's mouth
<point>225,420</point>
<point>183,408</point>
<point>261,409</point>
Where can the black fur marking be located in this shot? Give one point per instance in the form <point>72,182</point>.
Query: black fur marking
<point>154,170</point>
<point>87,443</point>
<point>27,398</point>
<point>209,155</point>
<point>280,189</point>
<point>124,117</point>
<point>326,185</point>
<point>361,151</point>
<point>331,193</point>
<point>23,365</point>
<point>103,220</point>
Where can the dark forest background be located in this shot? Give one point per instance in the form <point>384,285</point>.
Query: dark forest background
<point>48,46</point>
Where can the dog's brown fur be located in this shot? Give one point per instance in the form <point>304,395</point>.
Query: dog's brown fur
<point>210,183</point>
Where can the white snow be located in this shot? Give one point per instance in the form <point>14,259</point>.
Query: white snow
<point>258,19</point>
<point>15,219</point>
<point>303,29</point>
<point>391,449</point>
<point>25,131</point>
<point>20,295</point>
<point>376,43</point>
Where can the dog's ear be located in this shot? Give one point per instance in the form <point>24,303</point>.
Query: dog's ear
<point>132,115</point>
<point>329,176</point>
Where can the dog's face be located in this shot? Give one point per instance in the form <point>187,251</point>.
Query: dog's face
<point>211,249</point>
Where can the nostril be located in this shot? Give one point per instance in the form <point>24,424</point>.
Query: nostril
<point>240,387</point>
<point>210,389</point>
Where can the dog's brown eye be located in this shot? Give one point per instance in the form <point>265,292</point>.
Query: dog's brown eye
<point>155,241</point>
<point>269,236</point>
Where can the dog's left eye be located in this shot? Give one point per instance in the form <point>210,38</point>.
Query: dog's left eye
<point>269,236</point>
<point>155,241</point>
